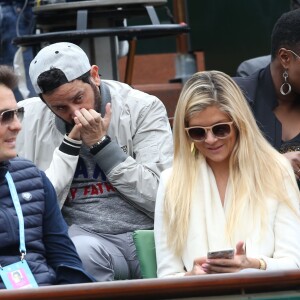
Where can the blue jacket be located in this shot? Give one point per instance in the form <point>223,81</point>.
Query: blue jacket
<point>51,254</point>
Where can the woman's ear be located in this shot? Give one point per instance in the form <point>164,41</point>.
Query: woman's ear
<point>95,75</point>
<point>285,57</point>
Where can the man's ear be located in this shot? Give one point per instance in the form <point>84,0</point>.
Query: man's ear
<point>95,75</point>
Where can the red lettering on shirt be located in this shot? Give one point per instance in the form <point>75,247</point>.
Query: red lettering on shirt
<point>73,192</point>
<point>99,185</point>
<point>94,190</point>
<point>90,190</point>
<point>86,190</point>
<point>109,187</point>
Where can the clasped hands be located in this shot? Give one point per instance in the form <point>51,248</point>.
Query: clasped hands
<point>89,126</point>
<point>240,261</point>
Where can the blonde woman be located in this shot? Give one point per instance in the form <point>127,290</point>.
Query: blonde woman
<point>228,188</point>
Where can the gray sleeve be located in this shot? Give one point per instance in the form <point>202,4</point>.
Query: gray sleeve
<point>136,178</point>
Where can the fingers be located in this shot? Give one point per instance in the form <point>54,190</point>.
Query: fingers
<point>108,111</point>
<point>219,266</point>
<point>228,265</point>
<point>209,268</point>
<point>93,126</point>
<point>88,117</point>
<point>75,132</point>
<point>240,249</point>
<point>91,117</point>
<point>217,269</point>
<point>107,117</point>
<point>197,268</point>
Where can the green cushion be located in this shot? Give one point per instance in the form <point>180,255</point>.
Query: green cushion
<point>145,247</point>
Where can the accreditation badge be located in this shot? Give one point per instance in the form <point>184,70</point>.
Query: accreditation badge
<point>18,276</point>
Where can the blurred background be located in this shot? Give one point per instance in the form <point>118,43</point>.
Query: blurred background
<point>228,32</point>
<point>222,35</point>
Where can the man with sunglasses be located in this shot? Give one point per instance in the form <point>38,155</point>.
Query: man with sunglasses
<point>104,145</point>
<point>274,91</point>
<point>34,235</point>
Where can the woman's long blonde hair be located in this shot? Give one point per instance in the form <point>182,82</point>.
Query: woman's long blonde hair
<point>257,170</point>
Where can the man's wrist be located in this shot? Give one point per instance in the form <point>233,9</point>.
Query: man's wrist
<point>105,140</point>
<point>70,146</point>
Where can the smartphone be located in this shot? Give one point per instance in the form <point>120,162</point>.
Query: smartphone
<point>228,253</point>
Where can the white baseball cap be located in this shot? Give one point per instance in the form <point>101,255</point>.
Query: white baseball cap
<point>67,57</point>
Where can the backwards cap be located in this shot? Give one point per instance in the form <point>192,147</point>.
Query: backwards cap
<point>67,57</point>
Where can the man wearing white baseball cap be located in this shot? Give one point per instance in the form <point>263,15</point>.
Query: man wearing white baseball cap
<point>103,145</point>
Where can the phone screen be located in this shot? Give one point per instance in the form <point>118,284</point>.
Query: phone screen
<point>228,253</point>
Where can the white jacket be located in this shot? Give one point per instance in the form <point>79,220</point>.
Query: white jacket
<point>279,246</point>
<point>141,147</point>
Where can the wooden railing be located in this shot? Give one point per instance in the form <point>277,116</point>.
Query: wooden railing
<point>174,288</point>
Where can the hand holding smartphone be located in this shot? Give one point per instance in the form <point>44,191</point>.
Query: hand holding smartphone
<point>227,253</point>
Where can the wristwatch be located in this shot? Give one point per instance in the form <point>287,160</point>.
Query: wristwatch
<point>94,149</point>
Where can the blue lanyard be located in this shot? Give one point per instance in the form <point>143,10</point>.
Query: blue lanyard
<point>16,201</point>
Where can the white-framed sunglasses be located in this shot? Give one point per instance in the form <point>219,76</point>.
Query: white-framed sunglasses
<point>199,133</point>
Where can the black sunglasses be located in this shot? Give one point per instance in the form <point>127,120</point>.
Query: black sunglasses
<point>199,133</point>
<point>8,116</point>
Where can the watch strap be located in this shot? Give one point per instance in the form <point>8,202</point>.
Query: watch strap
<point>105,140</point>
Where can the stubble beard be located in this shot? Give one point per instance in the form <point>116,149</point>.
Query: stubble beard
<point>97,97</point>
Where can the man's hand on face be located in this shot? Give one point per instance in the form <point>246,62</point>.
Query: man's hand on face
<point>75,133</point>
<point>91,125</point>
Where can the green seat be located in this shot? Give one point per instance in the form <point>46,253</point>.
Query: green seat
<point>145,247</point>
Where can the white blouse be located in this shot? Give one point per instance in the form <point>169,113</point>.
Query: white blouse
<point>279,246</point>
